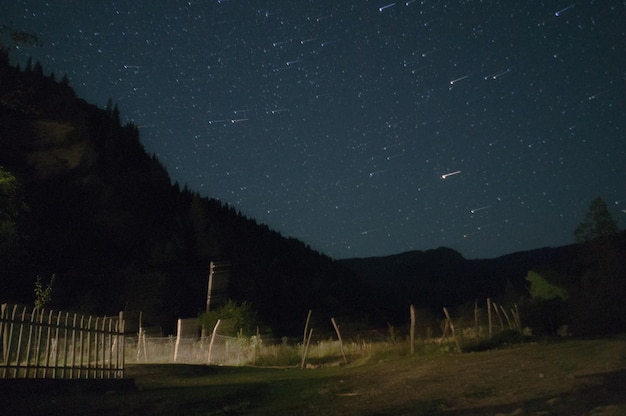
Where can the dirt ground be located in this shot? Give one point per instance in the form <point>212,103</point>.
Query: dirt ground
<point>573,377</point>
<point>565,378</point>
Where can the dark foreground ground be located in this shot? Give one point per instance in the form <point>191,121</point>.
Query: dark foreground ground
<point>574,377</point>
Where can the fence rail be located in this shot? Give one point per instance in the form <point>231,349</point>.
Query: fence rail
<point>40,343</point>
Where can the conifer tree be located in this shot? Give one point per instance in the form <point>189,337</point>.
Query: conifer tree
<point>598,222</point>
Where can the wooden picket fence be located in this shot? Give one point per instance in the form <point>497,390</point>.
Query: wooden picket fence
<point>40,343</point>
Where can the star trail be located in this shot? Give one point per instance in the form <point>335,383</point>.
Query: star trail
<point>364,128</point>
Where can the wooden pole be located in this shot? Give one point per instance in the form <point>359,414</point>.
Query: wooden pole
<point>212,340</point>
<point>306,347</point>
<point>179,329</point>
<point>446,325</point>
<point>33,319</point>
<point>256,345</point>
<point>73,345</point>
<point>209,287</point>
<point>476,329</point>
<point>412,330</point>
<point>506,315</point>
<point>518,322</point>
<point>121,329</point>
<point>208,295</point>
<point>4,331</point>
<point>495,307</point>
<point>304,339</point>
<point>456,341</point>
<point>38,345</point>
<point>489,317</point>
<point>340,341</point>
<point>139,334</point>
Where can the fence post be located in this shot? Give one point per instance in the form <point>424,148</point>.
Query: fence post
<point>456,341</point>
<point>121,344</point>
<point>304,339</point>
<point>3,331</point>
<point>495,308</point>
<point>412,330</point>
<point>179,328</point>
<point>340,341</point>
<point>476,328</point>
<point>88,370</point>
<point>306,347</point>
<point>213,339</point>
<point>48,339</point>
<point>19,343</point>
<point>489,316</point>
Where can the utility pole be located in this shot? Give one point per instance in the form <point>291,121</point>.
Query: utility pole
<point>217,286</point>
<point>208,294</point>
<point>210,286</point>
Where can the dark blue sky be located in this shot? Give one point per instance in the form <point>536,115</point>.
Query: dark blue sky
<point>365,127</point>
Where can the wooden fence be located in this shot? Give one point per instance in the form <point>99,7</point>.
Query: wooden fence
<point>40,343</point>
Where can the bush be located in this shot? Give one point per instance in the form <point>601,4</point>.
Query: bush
<point>236,320</point>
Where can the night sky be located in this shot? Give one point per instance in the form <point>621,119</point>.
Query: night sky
<point>364,128</point>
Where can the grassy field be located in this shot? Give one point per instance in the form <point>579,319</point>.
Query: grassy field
<point>573,377</point>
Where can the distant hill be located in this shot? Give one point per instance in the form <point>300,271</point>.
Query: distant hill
<point>442,277</point>
<point>594,274</point>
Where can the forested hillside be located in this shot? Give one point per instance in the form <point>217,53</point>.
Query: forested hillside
<point>92,207</point>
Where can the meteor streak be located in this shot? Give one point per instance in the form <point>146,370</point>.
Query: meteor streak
<point>445,175</point>
<point>475,210</point>
<point>454,81</point>
<point>381,8</point>
<point>560,12</point>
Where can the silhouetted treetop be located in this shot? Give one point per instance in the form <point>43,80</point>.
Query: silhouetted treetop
<point>598,222</point>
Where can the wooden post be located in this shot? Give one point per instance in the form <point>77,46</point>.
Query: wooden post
<point>121,329</point>
<point>18,355</point>
<point>89,342</point>
<point>304,339</point>
<point>256,345</point>
<point>212,340</point>
<point>139,335</point>
<point>516,319</point>
<point>4,331</point>
<point>476,329</point>
<point>38,344</point>
<point>446,325</point>
<point>179,329</point>
<point>340,341</point>
<point>506,315</point>
<point>306,347</point>
<point>31,326</point>
<point>73,345</point>
<point>209,286</point>
<point>2,327</point>
<point>456,341</point>
<point>103,350</point>
<point>412,330</point>
<point>489,316</point>
<point>208,296</point>
<point>81,339</point>
<point>495,307</point>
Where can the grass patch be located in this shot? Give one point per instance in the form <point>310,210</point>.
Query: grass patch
<point>502,339</point>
